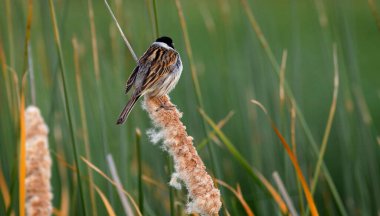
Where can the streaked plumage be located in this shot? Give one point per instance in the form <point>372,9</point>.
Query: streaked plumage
<point>156,74</point>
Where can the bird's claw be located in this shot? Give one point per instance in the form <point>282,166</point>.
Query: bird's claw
<point>166,107</point>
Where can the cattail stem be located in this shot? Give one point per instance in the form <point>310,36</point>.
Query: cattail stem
<point>204,198</point>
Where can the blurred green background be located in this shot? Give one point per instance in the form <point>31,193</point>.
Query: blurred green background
<point>232,67</point>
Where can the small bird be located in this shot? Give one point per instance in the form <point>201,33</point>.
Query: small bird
<point>155,75</point>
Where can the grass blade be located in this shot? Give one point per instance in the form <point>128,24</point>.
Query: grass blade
<point>8,11</point>
<point>22,148</point>
<point>121,32</point>
<point>284,193</point>
<point>257,176</point>
<point>239,196</point>
<point>139,170</point>
<point>98,83</point>
<point>157,31</point>
<point>293,115</point>
<point>194,76</point>
<point>31,76</point>
<point>294,161</point>
<point>211,134</point>
<point>119,186</point>
<point>264,43</point>
<point>78,79</point>
<point>4,190</point>
<point>67,102</point>
<point>115,176</point>
<point>3,63</point>
<point>282,78</point>
<point>22,157</point>
<point>27,36</point>
<point>107,204</point>
<point>375,13</point>
<point>293,158</point>
<point>329,121</point>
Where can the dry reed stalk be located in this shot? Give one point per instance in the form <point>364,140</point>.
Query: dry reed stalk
<point>38,165</point>
<point>204,198</point>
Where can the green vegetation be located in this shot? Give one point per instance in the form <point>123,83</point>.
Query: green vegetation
<point>301,77</point>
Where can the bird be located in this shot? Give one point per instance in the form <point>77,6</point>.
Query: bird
<point>156,74</point>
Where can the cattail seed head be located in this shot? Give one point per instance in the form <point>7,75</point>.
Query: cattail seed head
<point>38,165</point>
<point>204,198</point>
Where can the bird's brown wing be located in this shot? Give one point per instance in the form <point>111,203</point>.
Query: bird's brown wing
<point>131,79</point>
<point>144,64</point>
<point>158,62</point>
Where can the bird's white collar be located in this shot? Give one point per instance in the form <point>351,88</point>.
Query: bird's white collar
<point>161,44</point>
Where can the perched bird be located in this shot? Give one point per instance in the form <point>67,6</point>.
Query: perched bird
<point>156,74</point>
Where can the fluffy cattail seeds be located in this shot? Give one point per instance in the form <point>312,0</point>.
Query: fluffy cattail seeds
<point>38,165</point>
<point>204,198</point>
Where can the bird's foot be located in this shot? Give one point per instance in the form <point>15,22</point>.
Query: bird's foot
<point>166,107</point>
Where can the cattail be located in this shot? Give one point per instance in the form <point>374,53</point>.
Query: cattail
<point>38,165</point>
<point>204,198</point>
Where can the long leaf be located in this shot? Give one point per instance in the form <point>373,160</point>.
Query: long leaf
<point>300,176</point>
<point>107,204</point>
<point>194,76</point>
<point>256,175</point>
<point>22,158</point>
<point>329,122</point>
<point>239,196</point>
<point>119,186</point>
<point>264,43</point>
<point>82,109</point>
<point>67,101</point>
<point>4,190</point>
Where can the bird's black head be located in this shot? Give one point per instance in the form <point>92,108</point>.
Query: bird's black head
<point>167,40</point>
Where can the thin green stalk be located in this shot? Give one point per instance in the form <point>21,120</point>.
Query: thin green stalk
<point>289,93</point>
<point>82,109</point>
<point>121,32</point>
<point>375,13</point>
<point>10,32</point>
<point>231,148</point>
<point>257,176</point>
<point>195,79</point>
<point>211,134</point>
<point>31,76</point>
<point>119,186</point>
<point>99,88</point>
<point>189,54</point>
<point>7,81</point>
<point>329,122</point>
<point>67,102</point>
<point>95,58</point>
<point>12,190</point>
<point>139,170</point>
<point>14,172</point>
<point>155,19</point>
<point>123,199</point>
<point>171,190</point>
<point>22,147</point>
<point>27,37</point>
<point>328,125</point>
<point>2,206</point>
<point>294,146</point>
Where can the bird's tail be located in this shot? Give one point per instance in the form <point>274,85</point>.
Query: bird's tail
<point>127,109</point>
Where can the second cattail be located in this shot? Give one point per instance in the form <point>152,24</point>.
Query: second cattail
<point>38,165</point>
